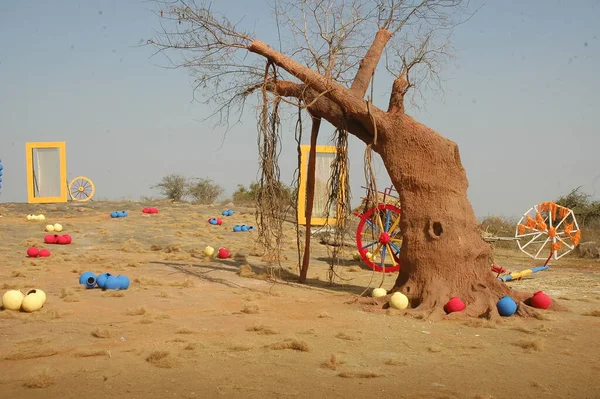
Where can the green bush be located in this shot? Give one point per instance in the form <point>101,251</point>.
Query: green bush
<point>587,211</point>
<point>204,191</point>
<point>173,187</point>
<point>247,195</point>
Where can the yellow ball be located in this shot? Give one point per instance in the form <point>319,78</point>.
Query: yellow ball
<point>356,256</point>
<point>369,256</point>
<point>209,251</point>
<point>12,300</point>
<point>398,301</point>
<point>49,228</point>
<point>378,292</point>
<point>37,292</point>
<point>33,301</point>
<point>29,217</point>
<point>58,227</point>
<point>41,217</point>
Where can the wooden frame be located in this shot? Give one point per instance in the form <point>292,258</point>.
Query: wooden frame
<point>32,198</point>
<point>315,220</point>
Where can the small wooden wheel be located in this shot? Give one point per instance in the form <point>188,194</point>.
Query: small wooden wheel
<point>81,189</point>
<point>379,239</point>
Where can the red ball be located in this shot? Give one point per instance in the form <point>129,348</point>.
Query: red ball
<point>50,238</point>
<point>219,222</point>
<point>541,300</point>
<point>62,240</point>
<point>223,253</point>
<point>68,238</point>
<point>44,253</point>
<point>33,252</point>
<point>454,305</point>
<point>146,210</point>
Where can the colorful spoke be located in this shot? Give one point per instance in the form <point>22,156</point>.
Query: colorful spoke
<point>378,229</point>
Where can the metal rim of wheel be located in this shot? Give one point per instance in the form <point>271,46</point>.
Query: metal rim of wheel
<point>81,189</point>
<point>547,229</point>
<point>379,233</point>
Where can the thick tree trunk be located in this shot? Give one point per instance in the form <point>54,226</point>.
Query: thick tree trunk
<point>443,254</point>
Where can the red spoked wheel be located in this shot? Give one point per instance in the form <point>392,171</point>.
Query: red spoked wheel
<point>379,239</point>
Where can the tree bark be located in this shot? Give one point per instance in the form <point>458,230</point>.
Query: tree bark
<point>310,195</point>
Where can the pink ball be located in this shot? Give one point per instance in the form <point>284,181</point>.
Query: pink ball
<point>223,253</point>
<point>50,238</point>
<point>541,300</point>
<point>62,240</point>
<point>67,238</point>
<point>454,305</point>
<point>219,222</point>
<point>44,253</point>
<point>33,252</point>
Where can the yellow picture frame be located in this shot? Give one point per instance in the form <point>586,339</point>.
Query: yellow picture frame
<point>62,151</point>
<point>315,220</point>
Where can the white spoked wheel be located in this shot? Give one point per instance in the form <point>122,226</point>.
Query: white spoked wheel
<point>547,230</point>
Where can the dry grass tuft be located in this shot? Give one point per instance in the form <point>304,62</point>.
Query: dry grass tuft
<point>160,359</point>
<point>149,281</point>
<point>131,245</point>
<point>97,333</point>
<point>530,345</point>
<point>185,330</point>
<point>162,316</point>
<point>240,348</point>
<point>332,363</point>
<point>262,330</point>
<point>33,341</point>
<point>136,311</point>
<point>324,315</point>
<point>57,314</point>
<point>69,296</point>
<point>91,353</point>
<point>343,335</point>
<point>190,347</point>
<point>480,323</point>
<point>187,283</point>
<point>251,309</point>
<point>593,313</point>
<point>523,330</point>
<point>39,381</point>
<point>17,273</point>
<point>32,353</point>
<point>359,374</point>
<point>173,247</point>
<point>395,362</point>
<point>294,344</point>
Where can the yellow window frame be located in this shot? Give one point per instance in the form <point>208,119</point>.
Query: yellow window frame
<point>62,150</point>
<point>304,151</point>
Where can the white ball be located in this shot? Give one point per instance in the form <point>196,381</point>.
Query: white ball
<point>398,301</point>
<point>378,292</point>
<point>39,292</point>
<point>49,228</point>
<point>12,300</point>
<point>33,301</point>
<point>29,217</point>
<point>58,227</point>
<point>41,217</point>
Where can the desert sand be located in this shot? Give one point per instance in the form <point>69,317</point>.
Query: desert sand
<point>195,327</point>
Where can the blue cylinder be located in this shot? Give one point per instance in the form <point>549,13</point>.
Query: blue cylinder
<point>112,283</point>
<point>123,281</point>
<point>237,228</point>
<point>88,279</point>
<point>114,214</point>
<point>101,279</point>
<point>506,306</point>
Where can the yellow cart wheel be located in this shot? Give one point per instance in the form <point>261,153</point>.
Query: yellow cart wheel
<point>81,189</point>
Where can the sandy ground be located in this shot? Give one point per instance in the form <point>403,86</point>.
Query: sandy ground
<point>191,327</point>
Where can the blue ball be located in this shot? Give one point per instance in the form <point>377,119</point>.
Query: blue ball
<point>101,279</point>
<point>123,281</point>
<point>225,213</point>
<point>0,179</point>
<point>251,228</point>
<point>122,214</point>
<point>230,213</point>
<point>212,221</point>
<point>237,228</point>
<point>244,227</point>
<point>506,306</point>
<point>112,283</point>
<point>1,166</point>
<point>88,279</point>
<point>114,215</point>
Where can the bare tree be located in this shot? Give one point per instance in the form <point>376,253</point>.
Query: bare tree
<point>329,53</point>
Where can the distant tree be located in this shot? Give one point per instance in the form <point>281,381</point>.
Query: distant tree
<point>587,211</point>
<point>204,191</point>
<point>173,187</point>
<point>245,195</point>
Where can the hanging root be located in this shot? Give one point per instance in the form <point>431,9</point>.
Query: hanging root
<point>269,209</point>
<point>296,184</point>
<point>339,196</point>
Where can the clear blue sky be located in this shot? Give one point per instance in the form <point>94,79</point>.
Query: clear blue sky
<point>521,101</point>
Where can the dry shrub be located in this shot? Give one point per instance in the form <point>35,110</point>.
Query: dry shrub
<point>39,381</point>
<point>593,313</point>
<point>251,309</point>
<point>359,374</point>
<point>530,345</point>
<point>262,330</point>
<point>332,363</point>
<point>91,353</point>
<point>173,247</point>
<point>136,311</point>
<point>294,344</point>
<point>97,333</point>
<point>246,271</point>
<point>155,247</point>
<point>160,359</point>
<point>343,335</point>
<point>131,245</point>
<point>185,330</point>
<point>32,353</point>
